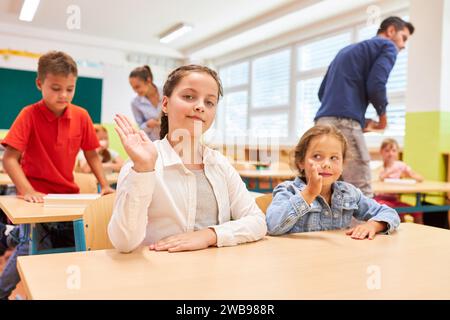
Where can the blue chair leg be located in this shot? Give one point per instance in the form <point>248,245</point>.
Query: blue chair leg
<point>34,238</point>
<point>80,239</point>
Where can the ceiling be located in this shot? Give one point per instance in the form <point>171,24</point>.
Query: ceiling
<point>219,25</point>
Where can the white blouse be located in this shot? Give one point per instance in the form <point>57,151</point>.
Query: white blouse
<point>150,206</point>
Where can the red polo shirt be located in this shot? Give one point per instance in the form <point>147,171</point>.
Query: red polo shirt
<point>50,144</point>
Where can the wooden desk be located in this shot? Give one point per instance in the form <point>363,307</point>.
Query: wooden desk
<point>419,189</point>
<point>5,179</point>
<point>412,263</point>
<point>22,212</point>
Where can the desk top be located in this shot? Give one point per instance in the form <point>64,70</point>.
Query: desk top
<point>412,263</point>
<point>268,173</point>
<point>420,187</point>
<point>20,211</point>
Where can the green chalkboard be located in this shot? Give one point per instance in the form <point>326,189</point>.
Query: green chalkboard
<point>18,89</point>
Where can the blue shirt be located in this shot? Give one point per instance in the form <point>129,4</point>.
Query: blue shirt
<point>144,110</point>
<point>357,75</point>
<point>289,212</point>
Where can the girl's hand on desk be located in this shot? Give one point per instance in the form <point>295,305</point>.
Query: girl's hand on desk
<point>188,241</point>
<point>138,146</point>
<point>368,229</point>
<point>34,196</point>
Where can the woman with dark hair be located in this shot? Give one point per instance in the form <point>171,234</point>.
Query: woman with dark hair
<point>146,106</point>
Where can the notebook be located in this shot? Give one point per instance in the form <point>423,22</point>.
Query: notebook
<point>400,181</point>
<point>69,200</point>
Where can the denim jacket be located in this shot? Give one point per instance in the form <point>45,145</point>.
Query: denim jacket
<point>289,212</point>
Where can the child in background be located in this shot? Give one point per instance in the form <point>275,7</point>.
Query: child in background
<point>146,106</point>
<point>395,169</point>
<point>110,159</point>
<point>41,149</point>
<point>316,201</point>
<point>392,167</point>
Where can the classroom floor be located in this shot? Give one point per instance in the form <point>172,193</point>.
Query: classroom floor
<point>20,291</point>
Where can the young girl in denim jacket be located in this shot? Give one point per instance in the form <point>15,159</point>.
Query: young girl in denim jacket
<point>316,201</point>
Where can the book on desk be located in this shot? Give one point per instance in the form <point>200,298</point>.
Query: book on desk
<point>73,200</point>
<point>400,181</point>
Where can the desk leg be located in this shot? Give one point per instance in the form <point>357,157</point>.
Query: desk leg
<point>25,236</point>
<point>34,239</point>
<point>80,239</point>
<point>418,199</point>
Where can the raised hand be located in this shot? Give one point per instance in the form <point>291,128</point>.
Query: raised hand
<point>314,186</point>
<point>138,146</point>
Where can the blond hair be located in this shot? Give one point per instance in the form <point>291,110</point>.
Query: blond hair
<point>388,142</point>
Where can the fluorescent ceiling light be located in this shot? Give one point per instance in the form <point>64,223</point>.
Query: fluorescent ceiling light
<point>29,8</point>
<point>175,32</point>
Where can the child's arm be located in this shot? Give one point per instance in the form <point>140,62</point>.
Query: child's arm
<point>135,186</point>
<point>376,126</point>
<point>84,166</point>
<point>409,173</point>
<point>12,166</point>
<point>289,205</point>
<point>379,217</point>
<point>93,160</point>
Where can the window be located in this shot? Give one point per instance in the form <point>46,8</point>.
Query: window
<point>234,75</point>
<point>267,112</point>
<point>307,103</point>
<point>270,80</point>
<point>319,54</point>
<point>232,112</point>
<point>235,108</point>
<point>274,125</point>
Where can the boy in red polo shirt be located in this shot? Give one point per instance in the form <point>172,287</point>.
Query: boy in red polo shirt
<point>41,149</point>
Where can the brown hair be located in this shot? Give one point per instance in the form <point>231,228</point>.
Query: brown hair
<point>58,63</point>
<point>144,73</point>
<point>398,23</point>
<point>172,81</point>
<point>317,131</point>
<point>105,154</point>
<point>389,142</point>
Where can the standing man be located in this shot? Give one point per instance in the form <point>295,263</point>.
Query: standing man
<point>356,77</point>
